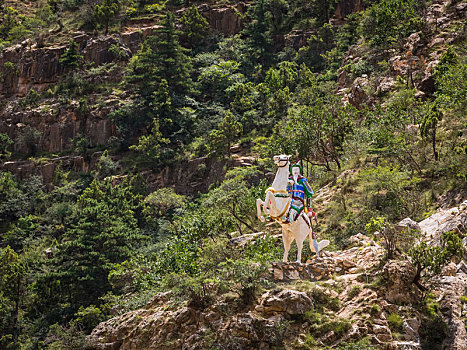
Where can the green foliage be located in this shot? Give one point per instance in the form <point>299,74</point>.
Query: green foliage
<point>103,233</point>
<point>199,290</point>
<point>28,139</point>
<point>105,166</point>
<point>66,338</point>
<point>105,12</point>
<point>5,143</point>
<point>31,99</point>
<point>163,202</point>
<point>451,81</point>
<point>160,75</point>
<point>71,58</point>
<point>361,344</point>
<point>222,138</point>
<point>245,277</point>
<point>161,57</point>
<point>150,145</point>
<point>87,318</point>
<point>317,131</point>
<point>354,291</point>
<point>323,300</point>
<point>195,27</point>
<point>388,21</point>
<point>395,322</point>
<point>430,259</point>
<point>235,197</point>
<point>390,191</point>
<point>12,271</point>
<point>322,324</point>
<point>118,52</point>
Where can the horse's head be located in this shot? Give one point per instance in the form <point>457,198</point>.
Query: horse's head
<point>282,160</point>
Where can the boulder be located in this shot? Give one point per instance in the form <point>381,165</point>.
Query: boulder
<point>400,275</point>
<point>407,225</point>
<point>287,301</point>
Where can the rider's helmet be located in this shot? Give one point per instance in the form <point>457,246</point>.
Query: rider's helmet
<point>296,164</point>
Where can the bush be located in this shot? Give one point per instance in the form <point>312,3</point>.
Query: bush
<point>387,21</point>
<point>87,318</point>
<point>322,299</point>
<point>106,166</point>
<point>354,291</point>
<point>395,322</point>
<point>244,277</point>
<point>199,290</point>
<point>5,143</point>
<point>30,100</point>
<point>29,139</point>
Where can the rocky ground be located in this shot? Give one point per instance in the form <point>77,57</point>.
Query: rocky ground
<point>340,297</point>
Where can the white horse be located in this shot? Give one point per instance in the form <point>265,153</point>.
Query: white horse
<point>277,204</point>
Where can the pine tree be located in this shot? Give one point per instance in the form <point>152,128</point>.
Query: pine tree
<point>258,33</point>
<point>162,57</point>
<point>195,27</point>
<point>71,57</point>
<point>104,233</point>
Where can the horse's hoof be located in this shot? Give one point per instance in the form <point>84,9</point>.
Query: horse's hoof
<point>298,261</point>
<point>262,219</point>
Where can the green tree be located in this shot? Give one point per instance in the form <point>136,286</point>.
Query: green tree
<point>318,131</point>
<point>163,202</point>
<point>150,144</point>
<point>12,272</point>
<point>429,125</point>
<point>195,27</point>
<point>105,166</point>
<point>235,197</point>
<point>387,21</point>
<point>162,57</point>
<point>105,11</point>
<point>71,58</point>
<point>29,139</point>
<point>257,32</point>
<point>429,259</point>
<point>228,129</point>
<point>105,232</point>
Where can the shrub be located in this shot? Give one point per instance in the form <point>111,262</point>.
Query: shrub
<point>361,344</point>
<point>106,166</point>
<point>198,290</point>
<point>88,318</point>
<point>5,143</point>
<point>354,291</point>
<point>375,310</point>
<point>244,277</point>
<point>387,21</point>
<point>31,99</point>
<point>395,322</point>
<point>322,299</point>
<point>29,139</point>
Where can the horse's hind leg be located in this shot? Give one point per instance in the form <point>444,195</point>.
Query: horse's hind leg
<point>299,250</point>
<point>287,240</point>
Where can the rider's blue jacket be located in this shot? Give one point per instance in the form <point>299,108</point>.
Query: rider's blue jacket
<point>300,190</point>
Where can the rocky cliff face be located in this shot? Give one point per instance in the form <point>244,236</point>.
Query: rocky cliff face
<point>414,61</point>
<point>360,296</point>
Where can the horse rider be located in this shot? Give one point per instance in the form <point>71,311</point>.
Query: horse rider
<point>301,194</point>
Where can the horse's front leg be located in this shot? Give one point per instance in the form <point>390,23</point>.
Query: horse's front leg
<point>259,204</point>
